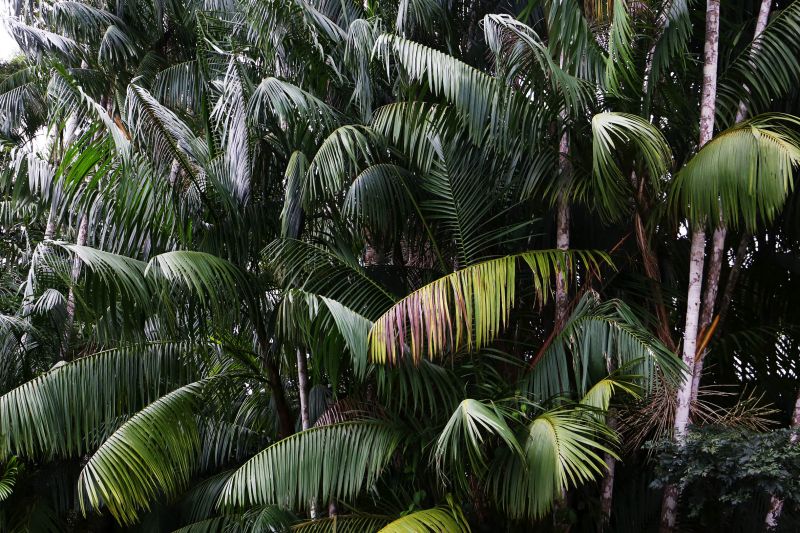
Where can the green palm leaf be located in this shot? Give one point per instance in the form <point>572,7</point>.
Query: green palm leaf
<point>286,102</point>
<point>153,453</point>
<point>314,465</point>
<point>612,132</point>
<point>338,160</point>
<point>166,137</point>
<point>491,111</point>
<point>355,523</point>
<point>765,70</point>
<point>562,448</point>
<point>598,336</point>
<point>66,412</point>
<point>8,478</point>
<point>324,272</point>
<point>743,176</point>
<point>469,307</point>
<point>437,520</point>
<point>469,427</point>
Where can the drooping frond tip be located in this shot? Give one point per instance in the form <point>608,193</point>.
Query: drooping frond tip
<point>743,176</point>
<point>466,308</point>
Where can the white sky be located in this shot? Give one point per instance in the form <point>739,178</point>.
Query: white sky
<point>8,48</point>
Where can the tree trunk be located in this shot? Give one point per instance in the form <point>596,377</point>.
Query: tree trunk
<point>697,258</point>
<point>83,230</point>
<point>607,485</point>
<point>650,262</point>
<point>562,233</point>
<point>302,392</point>
<point>718,247</point>
<point>775,503</point>
<point>733,277</point>
<point>285,422</point>
<point>302,387</point>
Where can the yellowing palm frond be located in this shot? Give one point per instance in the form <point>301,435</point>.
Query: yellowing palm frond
<point>469,307</point>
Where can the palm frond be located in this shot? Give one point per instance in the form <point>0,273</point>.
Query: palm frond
<point>164,135</point>
<point>562,448</point>
<point>491,111</point>
<point>472,423</point>
<point>66,412</point>
<point>435,520</point>
<point>598,336</point>
<point>765,70</point>
<point>379,199</point>
<point>286,102</point>
<point>324,272</point>
<point>349,523</point>
<point>213,279</point>
<point>742,176</point>
<point>314,465</point>
<point>9,477</point>
<point>530,64</point>
<point>37,41</point>
<point>572,38</point>
<point>469,307</point>
<point>151,454</point>
<point>611,189</point>
<point>67,94</point>
<point>337,161</point>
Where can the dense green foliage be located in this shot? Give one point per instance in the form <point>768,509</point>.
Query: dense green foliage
<point>414,265</point>
<point>725,472</point>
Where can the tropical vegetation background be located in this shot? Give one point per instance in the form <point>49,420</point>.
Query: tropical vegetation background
<point>408,266</point>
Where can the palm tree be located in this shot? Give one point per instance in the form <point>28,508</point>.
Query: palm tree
<point>270,256</point>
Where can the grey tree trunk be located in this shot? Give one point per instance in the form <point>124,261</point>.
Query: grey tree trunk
<point>562,233</point>
<point>83,231</point>
<point>696,259</point>
<point>302,387</point>
<point>302,390</point>
<point>718,246</point>
<point>733,277</point>
<point>607,485</point>
<point>775,503</point>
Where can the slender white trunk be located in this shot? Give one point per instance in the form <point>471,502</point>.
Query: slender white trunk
<point>718,247</point>
<point>697,257</point>
<point>761,23</point>
<point>83,230</point>
<point>50,229</point>
<point>709,299</point>
<point>562,232</point>
<point>775,503</point>
<point>302,387</point>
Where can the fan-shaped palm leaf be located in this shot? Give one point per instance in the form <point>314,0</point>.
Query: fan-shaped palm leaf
<point>472,423</point>
<point>562,448</point>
